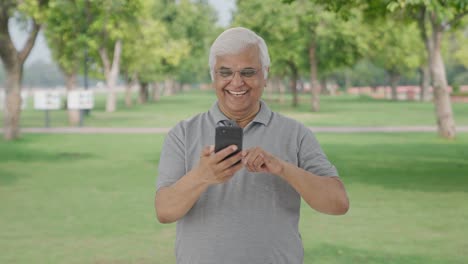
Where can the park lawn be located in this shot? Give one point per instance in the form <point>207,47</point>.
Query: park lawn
<point>89,199</point>
<point>343,110</point>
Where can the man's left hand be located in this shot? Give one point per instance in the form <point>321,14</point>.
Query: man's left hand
<point>258,160</point>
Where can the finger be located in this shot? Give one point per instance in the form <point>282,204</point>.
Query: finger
<point>258,162</point>
<point>250,159</point>
<point>222,154</point>
<point>227,163</point>
<point>207,150</point>
<point>244,153</point>
<point>250,166</point>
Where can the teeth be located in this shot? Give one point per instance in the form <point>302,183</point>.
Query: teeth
<point>237,93</point>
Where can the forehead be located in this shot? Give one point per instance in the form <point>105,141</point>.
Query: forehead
<point>248,57</point>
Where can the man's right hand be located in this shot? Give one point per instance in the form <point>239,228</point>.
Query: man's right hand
<point>213,169</point>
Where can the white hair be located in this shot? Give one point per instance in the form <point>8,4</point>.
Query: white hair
<point>234,41</point>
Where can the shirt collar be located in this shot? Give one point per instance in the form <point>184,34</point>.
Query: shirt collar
<point>263,116</point>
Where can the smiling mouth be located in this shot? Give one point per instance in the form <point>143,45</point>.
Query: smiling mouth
<point>240,93</point>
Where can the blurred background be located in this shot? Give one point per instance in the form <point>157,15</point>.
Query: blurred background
<point>390,50</point>
<point>89,88</point>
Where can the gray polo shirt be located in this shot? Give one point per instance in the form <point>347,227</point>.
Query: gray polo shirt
<point>252,218</point>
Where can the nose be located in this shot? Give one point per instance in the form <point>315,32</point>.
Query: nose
<point>237,79</point>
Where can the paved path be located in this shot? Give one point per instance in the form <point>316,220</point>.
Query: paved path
<point>162,130</point>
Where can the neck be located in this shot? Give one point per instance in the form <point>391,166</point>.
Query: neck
<point>244,119</point>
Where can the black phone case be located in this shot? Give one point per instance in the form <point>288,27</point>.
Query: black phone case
<point>227,136</point>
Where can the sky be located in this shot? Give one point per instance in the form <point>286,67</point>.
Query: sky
<point>42,52</point>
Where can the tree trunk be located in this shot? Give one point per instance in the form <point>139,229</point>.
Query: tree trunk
<point>323,86</point>
<point>12,110</point>
<point>169,87</point>
<point>424,82</point>
<point>144,93</point>
<point>73,114</point>
<point>128,94</point>
<point>293,83</point>
<point>425,68</point>
<point>156,92</point>
<point>268,90</point>
<point>13,61</point>
<point>347,79</point>
<point>394,80</point>
<point>177,87</point>
<point>111,72</point>
<point>314,83</point>
<point>443,105</point>
<point>128,89</point>
<point>275,88</point>
<point>282,91</point>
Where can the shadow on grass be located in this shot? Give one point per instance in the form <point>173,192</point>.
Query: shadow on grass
<point>326,253</point>
<point>7,177</point>
<point>16,152</point>
<point>409,166</point>
<point>19,151</point>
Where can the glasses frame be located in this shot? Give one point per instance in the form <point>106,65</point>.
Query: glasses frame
<point>231,77</point>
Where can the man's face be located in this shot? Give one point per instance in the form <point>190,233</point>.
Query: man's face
<point>239,95</point>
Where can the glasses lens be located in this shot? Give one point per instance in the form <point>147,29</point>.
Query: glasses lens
<point>225,73</point>
<point>248,72</point>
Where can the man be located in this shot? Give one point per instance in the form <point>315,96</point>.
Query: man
<point>246,212</point>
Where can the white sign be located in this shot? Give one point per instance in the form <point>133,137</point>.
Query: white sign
<point>24,100</point>
<point>83,99</point>
<point>47,100</point>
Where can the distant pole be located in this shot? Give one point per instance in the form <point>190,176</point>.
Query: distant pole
<point>47,118</point>
<point>86,74</point>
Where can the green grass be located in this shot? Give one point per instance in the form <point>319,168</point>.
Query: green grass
<point>89,199</point>
<point>344,110</point>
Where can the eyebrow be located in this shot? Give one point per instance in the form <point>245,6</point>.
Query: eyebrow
<point>227,68</point>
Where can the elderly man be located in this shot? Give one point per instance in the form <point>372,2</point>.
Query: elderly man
<point>242,212</point>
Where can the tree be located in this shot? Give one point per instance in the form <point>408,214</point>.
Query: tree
<point>65,32</point>
<point>304,37</point>
<point>32,12</point>
<point>150,50</point>
<point>456,56</point>
<point>110,21</point>
<point>277,23</point>
<point>396,48</point>
<point>192,23</point>
<point>334,42</point>
<point>195,22</point>
<point>436,17</point>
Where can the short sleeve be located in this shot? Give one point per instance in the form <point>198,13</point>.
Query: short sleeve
<point>311,156</point>
<point>172,160</point>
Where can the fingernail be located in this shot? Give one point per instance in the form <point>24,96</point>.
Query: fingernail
<point>234,148</point>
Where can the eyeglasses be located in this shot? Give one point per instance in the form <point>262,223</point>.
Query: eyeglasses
<point>227,74</point>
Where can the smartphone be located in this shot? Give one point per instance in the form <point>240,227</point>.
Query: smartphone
<point>227,136</point>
